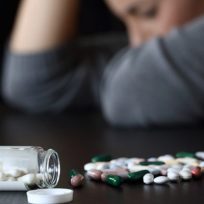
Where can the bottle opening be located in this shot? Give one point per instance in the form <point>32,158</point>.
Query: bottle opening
<point>50,169</point>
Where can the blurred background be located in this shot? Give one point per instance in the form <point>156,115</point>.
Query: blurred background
<point>95,18</point>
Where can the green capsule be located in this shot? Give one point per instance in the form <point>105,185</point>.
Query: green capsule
<point>113,180</point>
<point>135,176</point>
<point>72,173</point>
<point>157,163</point>
<point>101,158</point>
<point>185,154</point>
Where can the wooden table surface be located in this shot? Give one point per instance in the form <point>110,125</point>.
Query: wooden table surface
<point>78,137</point>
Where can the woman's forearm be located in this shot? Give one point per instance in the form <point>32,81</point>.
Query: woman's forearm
<point>44,24</point>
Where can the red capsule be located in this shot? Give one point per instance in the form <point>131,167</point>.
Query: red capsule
<point>77,180</point>
<point>104,176</point>
<point>196,172</point>
<point>95,174</point>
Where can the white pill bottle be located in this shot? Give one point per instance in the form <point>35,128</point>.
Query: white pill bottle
<point>28,167</point>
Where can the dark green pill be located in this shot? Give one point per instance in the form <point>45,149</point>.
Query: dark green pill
<point>135,176</point>
<point>185,154</point>
<point>157,163</point>
<point>101,158</point>
<point>113,180</point>
<point>72,173</point>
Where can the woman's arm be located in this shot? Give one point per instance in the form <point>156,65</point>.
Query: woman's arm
<point>42,25</point>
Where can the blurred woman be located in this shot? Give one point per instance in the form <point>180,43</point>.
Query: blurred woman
<point>154,78</point>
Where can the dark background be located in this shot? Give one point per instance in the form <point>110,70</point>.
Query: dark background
<point>95,18</point>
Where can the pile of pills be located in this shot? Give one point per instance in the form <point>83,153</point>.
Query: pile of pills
<point>21,175</point>
<point>158,170</point>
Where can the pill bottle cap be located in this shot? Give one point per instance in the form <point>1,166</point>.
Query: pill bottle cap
<point>50,196</point>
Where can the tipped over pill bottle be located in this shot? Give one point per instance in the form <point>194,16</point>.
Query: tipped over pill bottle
<point>28,167</point>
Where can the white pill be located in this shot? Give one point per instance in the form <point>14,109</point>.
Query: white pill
<point>148,178</point>
<point>133,167</point>
<point>177,166</point>
<point>185,174</point>
<point>102,165</point>
<point>188,160</point>
<point>90,166</point>
<point>200,155</point>
<point>174,170</point>
<point>2,177</point>
<point>201,164</point>
<point>173,176</point>
<point>29,179</point>
<point>120,161</point>
<point>154,171</point>
<point>188,167</point>
<point>14,173</point>
<point>11,179</point>
<point>135,161</point>
<point>152,159</point>
<point>166,158</point>
<point>96,166</point>
<point>161,180</point>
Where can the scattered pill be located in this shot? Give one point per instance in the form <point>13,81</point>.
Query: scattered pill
<point>200,155</point>
<point>135,176</point>
<point>196,172</point>
<point>148,178</point>
<point>119,162</point>
<point>102,165</point>
<point>161,180</point>
<point>154,171</point>
<point>103,176</point>
<point>134,167</point>
<point>94,174</point>
<point>135,160</point>
<point>185,154</point>
<point>166,158</point>
<point>188,160</point>
<point>152,159</point>
<point>123,173</point>
<point>113,180</point>
<point>202,164</point>
<point>173,170</point>
<point>76,179</point>
<point>156,163</point>
<point>97,166</point>
<point>90,166</point>
<point>159,170</point>
<point>173,176</point>
<point>101,158</point>
<point>185,174</point>
<point>164,172</point>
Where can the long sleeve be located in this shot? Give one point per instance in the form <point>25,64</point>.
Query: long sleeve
<point>160,83</point>
<point>59,79</point>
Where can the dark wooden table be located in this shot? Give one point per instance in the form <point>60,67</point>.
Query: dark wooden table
<point>78,137</point>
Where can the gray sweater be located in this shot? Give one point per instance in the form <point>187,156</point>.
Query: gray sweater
<point>159,83</point>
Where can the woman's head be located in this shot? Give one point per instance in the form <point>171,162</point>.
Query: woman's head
<point>145,19</point>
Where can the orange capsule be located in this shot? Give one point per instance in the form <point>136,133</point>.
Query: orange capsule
<point>196,172</point>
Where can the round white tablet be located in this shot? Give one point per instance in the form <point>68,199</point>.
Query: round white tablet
<point>50,196</point>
